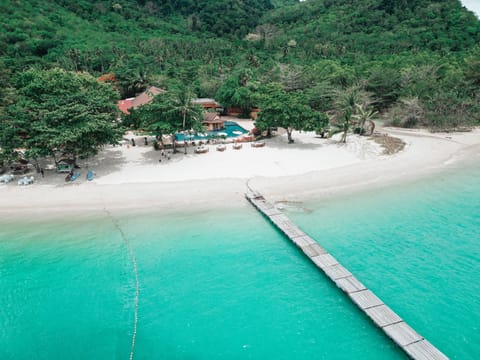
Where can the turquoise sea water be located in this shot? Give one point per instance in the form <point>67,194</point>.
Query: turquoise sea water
<point>418,248</point>
<point>227,285</point>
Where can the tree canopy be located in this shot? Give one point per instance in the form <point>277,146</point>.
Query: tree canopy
<point>168,114</point>
<point>238,91</point>
<point>57,112</point>
<point>287,110</point>
<point>425,49</point>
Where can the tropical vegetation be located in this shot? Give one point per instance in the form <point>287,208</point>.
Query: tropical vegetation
<point>57,113</point>
<point>417,60</point>
<point>167,115</point>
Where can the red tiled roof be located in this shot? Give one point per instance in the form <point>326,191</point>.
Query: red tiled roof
<point>206,103</point>
<point>142,99</point>
<point>146,96</point>
<point>124,105</point>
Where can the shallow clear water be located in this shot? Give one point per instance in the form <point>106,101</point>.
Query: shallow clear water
<point>417,248</point>
<point>227,285</point>
<point>212,286</point>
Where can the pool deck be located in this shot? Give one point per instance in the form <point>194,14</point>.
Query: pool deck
<point>414,345</point>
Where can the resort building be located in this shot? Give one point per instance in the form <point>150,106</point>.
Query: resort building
<point>142,99</point>
<point>213,121</point>
<point>236,111</point>
<point>208,104</point>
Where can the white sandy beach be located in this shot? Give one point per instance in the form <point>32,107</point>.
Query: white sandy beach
<point>132,178</point>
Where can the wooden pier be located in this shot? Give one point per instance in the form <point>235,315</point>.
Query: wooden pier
<point>415,345</point>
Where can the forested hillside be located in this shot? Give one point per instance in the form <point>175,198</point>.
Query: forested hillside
<point>342,27</point>
<point>417,61</point>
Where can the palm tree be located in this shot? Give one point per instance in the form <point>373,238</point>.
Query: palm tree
<point>346,105</point>
<point>191,113</point>
<point>364,114</point>
<point>346,124</point>
<point>168,113</point>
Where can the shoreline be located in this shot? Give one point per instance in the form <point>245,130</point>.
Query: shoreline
<point>137,183</point>
<point>316,186</point>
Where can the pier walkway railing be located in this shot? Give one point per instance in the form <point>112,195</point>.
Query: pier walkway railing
<point>415,345</point>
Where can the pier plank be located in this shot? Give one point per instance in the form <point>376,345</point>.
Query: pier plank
<point>324,260</point>
<point>293,232</point>
<point>305,241</point>
<point>424,350</point>
<point>336,272</point>
<point>365,299</point>
<point>265,206</point>
<point>382,315</point>
<point>312,250</point>
<point>402,334</point>
<point>271,212</point>
<point>284,222</point>
<point>280,220</point>
<point>350,284</point>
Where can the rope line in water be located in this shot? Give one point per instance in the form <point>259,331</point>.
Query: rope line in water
<point>137,287</point>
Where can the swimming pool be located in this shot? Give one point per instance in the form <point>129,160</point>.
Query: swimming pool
<point>231,129</point>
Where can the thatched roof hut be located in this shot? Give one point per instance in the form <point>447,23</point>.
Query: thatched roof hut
<point>213,121</point>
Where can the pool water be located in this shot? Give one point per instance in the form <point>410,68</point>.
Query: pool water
<point>231,129</point>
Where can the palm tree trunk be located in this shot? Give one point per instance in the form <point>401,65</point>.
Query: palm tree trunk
<point>184,135</point>
<point>174,143</point>
<point>289,135</point>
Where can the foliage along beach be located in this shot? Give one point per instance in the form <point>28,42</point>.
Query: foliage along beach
<point>315,67</point>
<point>131,178</point>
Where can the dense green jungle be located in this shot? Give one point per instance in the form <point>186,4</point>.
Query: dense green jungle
<point>410,62</point>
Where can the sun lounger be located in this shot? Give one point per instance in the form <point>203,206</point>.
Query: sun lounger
<point>6,178</point>
<point>258,144</point>
<point>201,150</point>
<point>26,180</point>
